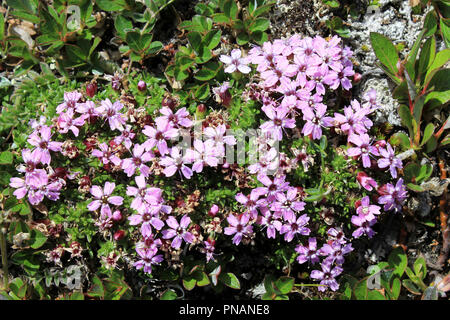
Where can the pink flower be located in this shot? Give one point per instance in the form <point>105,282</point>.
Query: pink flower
<point>66,122</point>
<point>367,210</point>
<point>176,162</point>
<point>126,137</point>
<point>365,181</point>
<point>178,231</point>
<point>106,155</point>
<point>204,153</point>
<point>389,160</point>
<point>103,198</point>
<point>138,161</point>
<point>315,120</point>
<point>278,121</point>
<point>238,227</point>
<point>363,148</point>
<point>180,118</point>
<point>235,62</point>
<point>70,101</point>
<point>157,137</point>
<point>41,140</point>
<point>148,259</point>
<point>294,227</point>
<point>111,111</point>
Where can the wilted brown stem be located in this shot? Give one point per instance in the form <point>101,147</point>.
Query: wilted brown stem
<point>443,217</point>
<point>4,260</point>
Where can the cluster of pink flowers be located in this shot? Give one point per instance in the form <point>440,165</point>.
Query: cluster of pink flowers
<point>294,76</point>
<point>40,179</point>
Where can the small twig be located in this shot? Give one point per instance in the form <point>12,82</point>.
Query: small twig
<point>443,217</point>
<point>4,260</point>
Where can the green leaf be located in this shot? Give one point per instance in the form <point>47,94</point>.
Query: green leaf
<point>385,51</point>
<point>111,5</point>
<point>445,30</point>
<point>396,288</point>
<point>441,58</point>
<point>221,18</point>
<point>414,187</point>
<point>430,293</point>
<point>331,3</point>
<point>420,268</point>
<point>259,24</point>
<point>440,86</point>
<point>230,280</point>
<point>97,290</point>
<point>134,40</point>
<point>430,23</point>
<point>284,284</point>
<point>195,40</point>
<point>400,139</point>
<point>230,9</point>
<point>427,133</point>
<point>427,55</point>
<point>212,39</point>
<point>398,260</point>
<point>360,289</point>
<point>6,157</point>
<point>37,239</point>
<point>405,116</point>
<point>242,38</point>
<point>169,294</point>
<point>202,92</point>
<point>375,295</point>
<point>208,71</point>
<point>189,283</point>
<point>76,296</point>
<point>259,37</point>
<point>122,26</point>
<point>202,279</point>
<point>154,48</point>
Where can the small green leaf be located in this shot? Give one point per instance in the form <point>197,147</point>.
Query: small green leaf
<point>37,239</point>
<point>427,133</point>
<point>375,295</point>
<point>385,51</point>
<point>430,23</point>
<point>208,71</point>
<point>97,290</point>
<point>420,268</point>
<point>6,157</point>
<point>189,283</point>
<point>406,117</point>
<point>169,294</point>
<point>242,38</point>
<point>284,284</point>
<point>230,280</point>
<point>259,24</point>
<point>398,260</point>
<point>396,287</point>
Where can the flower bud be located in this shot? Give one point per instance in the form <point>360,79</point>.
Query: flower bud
<point>201,111</point>
<point>118,235</point>
<point>142,85</point>
<point>357,77</point>
<point>213,211</point>
<point>117,215</point>
<point>91,89</point>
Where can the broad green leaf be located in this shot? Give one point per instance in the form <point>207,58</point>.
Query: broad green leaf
<point>221,18</point>
<point>385,51</point>
<point>202,92</point>
<point>154,48</point>
<point>242,38</point>
<point>360,289</point>
<point>169,294</point>
<point>427,133</point>
<point>441,58</point>
<point>400,139</point>
<point>412,56</point>
<point>230,280</point>
<point>208,71</point>
<point>396,288</point>
<point>440,86</point>
<point>398,260</point>
<point>445,30</point>
<point>414,187</point>
<point>406,117</point>
<point>212,39</point>
<point>37,239</point>
<point>6,157</point>
<point>420,267</point>
<point>111,5</point>
<point>97,290</point>
<point>284,284</point>
<point>230,9</point>
<point>134,40</point>
<point>427,55</point>
<point>195,40</point>
<point>375,295</point>
<point>122,26</point>
<point>189,283</point>
<point>430,23</point>
<point>260,24</point>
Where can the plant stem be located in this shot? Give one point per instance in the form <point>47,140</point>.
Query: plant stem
<point>4,261</point>
<point>308,285</point>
